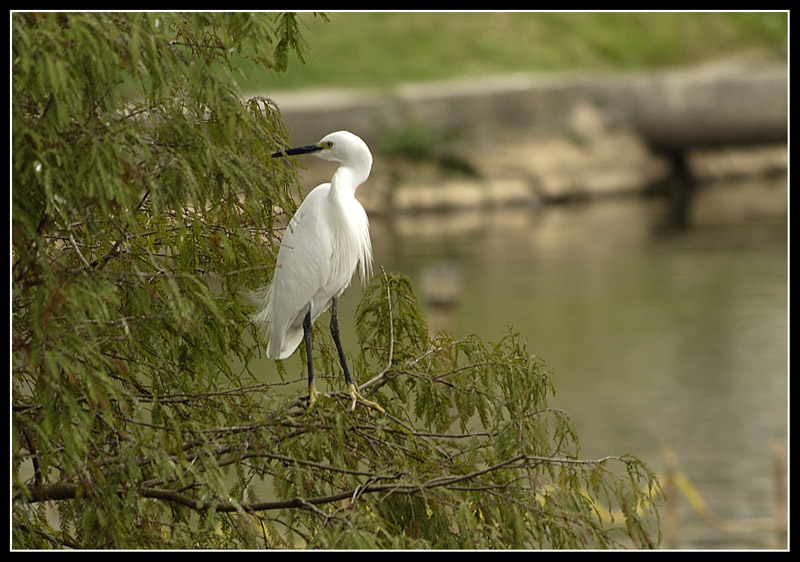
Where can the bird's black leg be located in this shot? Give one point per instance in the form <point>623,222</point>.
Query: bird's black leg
<point>335,334</point>
<point>312,390</point>
<point>351,387</point>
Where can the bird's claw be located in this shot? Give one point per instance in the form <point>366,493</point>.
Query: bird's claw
<point>312,395</point>
<point>355,396</point>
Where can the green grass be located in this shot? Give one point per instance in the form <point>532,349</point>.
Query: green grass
<point>380,49</point>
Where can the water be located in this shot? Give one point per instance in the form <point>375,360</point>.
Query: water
<point>657,337</point>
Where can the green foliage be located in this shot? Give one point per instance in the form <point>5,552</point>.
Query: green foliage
<point>469,455</point>
<point>141,186</point>
<point>144,201</point>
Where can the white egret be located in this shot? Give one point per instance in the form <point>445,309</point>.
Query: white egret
<point>325,242</point>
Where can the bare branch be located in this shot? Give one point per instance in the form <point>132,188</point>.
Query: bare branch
<point>386,369</point>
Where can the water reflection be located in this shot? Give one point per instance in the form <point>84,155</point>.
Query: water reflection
<point>656,337</point>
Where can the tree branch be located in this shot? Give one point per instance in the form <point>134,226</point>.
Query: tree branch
<point>380,375</point>
<point>67,490</point>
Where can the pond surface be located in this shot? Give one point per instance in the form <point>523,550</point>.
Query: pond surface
<point>658,338</point>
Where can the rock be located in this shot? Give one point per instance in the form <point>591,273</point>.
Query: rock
<point>588,159</point>
<point>533,139</point>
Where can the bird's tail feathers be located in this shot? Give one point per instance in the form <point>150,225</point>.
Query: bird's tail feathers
<point>263,298</point>
<point>285,347</point>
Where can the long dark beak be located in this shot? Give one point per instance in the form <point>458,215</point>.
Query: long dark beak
<point>299,150</point>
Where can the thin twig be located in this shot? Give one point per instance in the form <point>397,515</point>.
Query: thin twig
<point>196,45</point>
<point>78,251</point>
<point>386,369</point>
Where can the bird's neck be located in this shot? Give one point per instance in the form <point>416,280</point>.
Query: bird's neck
<point>347,178</point>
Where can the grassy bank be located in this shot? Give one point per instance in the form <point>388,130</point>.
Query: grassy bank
<point>374,50</point>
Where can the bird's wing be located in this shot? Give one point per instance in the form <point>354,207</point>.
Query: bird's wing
<point>365,257</point>
<point>303,267</point>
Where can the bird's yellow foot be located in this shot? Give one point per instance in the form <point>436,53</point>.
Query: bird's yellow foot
<point>356,396</point>
<point>312,395</point>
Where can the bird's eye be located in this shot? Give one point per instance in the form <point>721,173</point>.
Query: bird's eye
<point>327,144</point>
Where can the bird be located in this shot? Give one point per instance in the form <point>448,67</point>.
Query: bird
<point>324,244</point>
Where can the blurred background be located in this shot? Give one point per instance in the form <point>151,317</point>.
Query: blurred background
<point>611,185</point>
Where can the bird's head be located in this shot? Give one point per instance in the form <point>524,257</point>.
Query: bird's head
<point>342,146</point>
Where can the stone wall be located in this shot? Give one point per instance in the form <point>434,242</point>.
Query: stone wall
<point>540,139</point>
